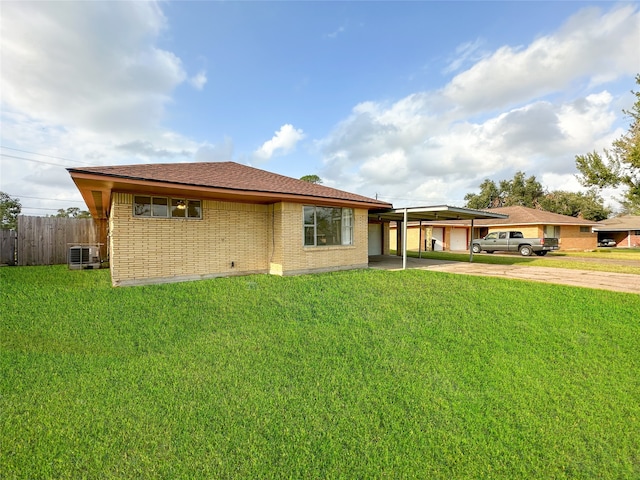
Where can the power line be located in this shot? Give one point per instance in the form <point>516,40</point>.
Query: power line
<point>43,198</point>
<point>42,208</point>
<point>32,160</point>
<point>45,155</point>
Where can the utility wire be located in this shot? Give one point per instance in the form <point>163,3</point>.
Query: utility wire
<point>31,160</point>
<point>42,208</point>
<point>43,198</point>
<point>45,155</point>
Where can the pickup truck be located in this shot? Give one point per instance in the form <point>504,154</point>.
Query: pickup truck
<point>511,241</point>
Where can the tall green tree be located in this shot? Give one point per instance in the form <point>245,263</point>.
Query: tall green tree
<point>520,190</point>
<point>489,196</point>
<point>589,205</point>
<point>528,192</point>
<point>620,166</point>
<point>10,208</point>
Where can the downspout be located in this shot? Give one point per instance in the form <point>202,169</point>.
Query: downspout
<point>420,240</point>
<point>404,240</point>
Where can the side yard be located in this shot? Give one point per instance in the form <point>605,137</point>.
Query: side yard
<point>365,374</point>
<point>610,260</point>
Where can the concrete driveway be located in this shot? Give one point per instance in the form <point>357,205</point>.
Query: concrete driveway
<point>618,282</point>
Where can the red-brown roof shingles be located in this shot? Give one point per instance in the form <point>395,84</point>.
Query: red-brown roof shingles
<point>522,216</point>
<point>226,175</point>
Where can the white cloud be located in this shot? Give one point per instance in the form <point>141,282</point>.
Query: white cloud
<point>468,52</point>
<point>588,44</point>
<point>86,82</point>
<point>63,63</point>
<point>283,141</point>
<point>429,146</point>
<point>198,81</point>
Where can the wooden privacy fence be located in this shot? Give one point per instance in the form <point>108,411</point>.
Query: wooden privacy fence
<point>46,240</point>
<point>8,247</point>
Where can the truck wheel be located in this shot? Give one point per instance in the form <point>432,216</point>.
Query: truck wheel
<point>476,248</point>
<point>526,250</point>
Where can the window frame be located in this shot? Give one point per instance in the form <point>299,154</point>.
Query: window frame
<point>169,207</point>
<point>345,231</point>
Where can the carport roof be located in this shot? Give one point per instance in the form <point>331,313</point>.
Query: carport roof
<point>622,223</point>
<point>431,213</point>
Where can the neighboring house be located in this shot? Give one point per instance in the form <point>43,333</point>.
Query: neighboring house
<point>625,230</point>
<point>175,222</point>
<point>574,233</point>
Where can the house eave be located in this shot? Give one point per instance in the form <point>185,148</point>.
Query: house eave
<point>96,191</point>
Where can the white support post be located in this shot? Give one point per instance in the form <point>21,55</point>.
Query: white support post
<point>471,244</point>
<point>420,240</point>
<point>404,241</point>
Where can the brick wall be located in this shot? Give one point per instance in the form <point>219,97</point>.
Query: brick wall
<point>149,250</point>
<point>292,257</point>
<point>571,238</point>
<point>230,239</point>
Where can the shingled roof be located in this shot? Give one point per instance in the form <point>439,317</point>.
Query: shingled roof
<point>525,216</point>
<point>621,223</point>
<point>213,179</point>
<point>531,216</point>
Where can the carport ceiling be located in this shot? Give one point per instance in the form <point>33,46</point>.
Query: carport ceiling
<point>434,213</point>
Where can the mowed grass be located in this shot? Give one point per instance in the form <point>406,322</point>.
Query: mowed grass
<point>361,374</point>
<point>555,259</point>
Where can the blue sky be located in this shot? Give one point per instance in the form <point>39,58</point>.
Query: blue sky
<point>416,102</point>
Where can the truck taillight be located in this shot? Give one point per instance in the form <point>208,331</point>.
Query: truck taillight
<point>542,241</point>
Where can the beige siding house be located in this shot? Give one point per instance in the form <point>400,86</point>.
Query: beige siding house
<point>573,233</point>
<point>177,222</point>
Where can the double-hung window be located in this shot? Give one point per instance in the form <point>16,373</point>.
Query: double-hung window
<point>325,226</point>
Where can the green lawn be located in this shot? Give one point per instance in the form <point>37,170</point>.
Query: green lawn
<point>534,261</point>
<point>361,374</point>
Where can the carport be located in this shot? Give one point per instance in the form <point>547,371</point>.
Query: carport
<point>427,214</point>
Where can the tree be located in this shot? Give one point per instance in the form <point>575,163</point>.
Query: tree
<point>72,212</point>
<point>525,192</point>
<point>588,205</point>
<point>489,196</point>
<point>312,179</point>
<point>528,192</point>
<point>518,191</point>
<point>622,165</point>
<point>10,208</point>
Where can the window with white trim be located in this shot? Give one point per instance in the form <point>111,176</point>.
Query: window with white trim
<point>164,207</point>
<point>325,226</point>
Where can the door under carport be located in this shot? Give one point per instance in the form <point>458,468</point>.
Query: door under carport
<point>375,239</point>
<point>458,239</point>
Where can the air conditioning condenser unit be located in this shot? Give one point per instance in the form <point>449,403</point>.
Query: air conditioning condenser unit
<point>84,257</point>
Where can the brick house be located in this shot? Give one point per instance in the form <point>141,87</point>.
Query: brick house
<point>187,221</point>
<point>625,230</point>
<point>574,233</point>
